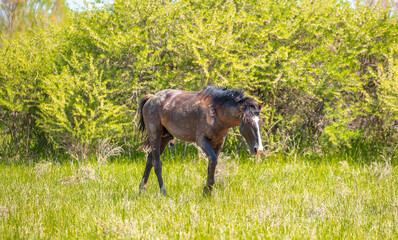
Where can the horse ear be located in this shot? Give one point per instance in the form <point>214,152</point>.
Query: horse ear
<point>261,105</point>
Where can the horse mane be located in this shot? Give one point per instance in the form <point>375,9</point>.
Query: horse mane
<point>224,96</point>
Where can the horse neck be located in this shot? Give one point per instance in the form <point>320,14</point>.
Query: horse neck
<point>228,115</point>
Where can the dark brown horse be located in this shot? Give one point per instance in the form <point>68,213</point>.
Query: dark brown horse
<point>203,117</point>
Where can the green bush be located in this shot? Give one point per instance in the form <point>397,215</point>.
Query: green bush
<point>75,110</point>
<point>24,61</point>
<point>325,71</point>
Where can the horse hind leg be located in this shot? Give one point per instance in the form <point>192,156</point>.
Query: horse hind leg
<point>150,164</point>
<point>156,152</point>
<point>147,171</point>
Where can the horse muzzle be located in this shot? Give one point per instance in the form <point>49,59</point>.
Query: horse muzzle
<point>257,150</point>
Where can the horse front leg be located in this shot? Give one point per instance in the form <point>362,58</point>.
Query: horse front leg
<point>211,168</point>
<point>218,147</point>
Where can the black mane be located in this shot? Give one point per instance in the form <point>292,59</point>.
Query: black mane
<point>223,96</point>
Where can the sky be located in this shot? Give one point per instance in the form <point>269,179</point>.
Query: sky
<point>79,4</point>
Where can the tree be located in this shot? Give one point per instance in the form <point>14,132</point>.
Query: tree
<point>19,15</point>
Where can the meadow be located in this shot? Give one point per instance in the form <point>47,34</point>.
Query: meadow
<point>277,197</point>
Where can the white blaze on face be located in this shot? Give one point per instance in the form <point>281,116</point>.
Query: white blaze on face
<point>260,143</point>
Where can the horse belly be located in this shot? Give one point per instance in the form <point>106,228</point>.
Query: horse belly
<point>181,124</point>
<point>183,135</point>
<point>184,129</point>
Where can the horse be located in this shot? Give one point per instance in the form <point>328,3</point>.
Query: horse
<point>204,117</point>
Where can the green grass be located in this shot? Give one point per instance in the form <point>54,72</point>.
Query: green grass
<point>252,199</point>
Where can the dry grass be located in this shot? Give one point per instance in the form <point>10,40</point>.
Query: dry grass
<point>84,173</point>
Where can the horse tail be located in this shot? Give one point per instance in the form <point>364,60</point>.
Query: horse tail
<point>142,103</point>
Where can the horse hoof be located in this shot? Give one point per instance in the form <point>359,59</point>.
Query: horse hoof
<point>163,191</point>
<point>207,191</point>
<point>142,186</point>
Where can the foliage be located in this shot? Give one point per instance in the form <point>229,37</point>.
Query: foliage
<point>20,15</point>
<point>23,63</point>
<point>325,71</point>
<point>75,111</point>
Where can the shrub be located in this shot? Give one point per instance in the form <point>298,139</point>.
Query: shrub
<point>75,108</point>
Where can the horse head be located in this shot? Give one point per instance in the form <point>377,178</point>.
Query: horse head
<point>249,125</point>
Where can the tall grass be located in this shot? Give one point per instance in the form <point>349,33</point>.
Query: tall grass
<point>253,198</point>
